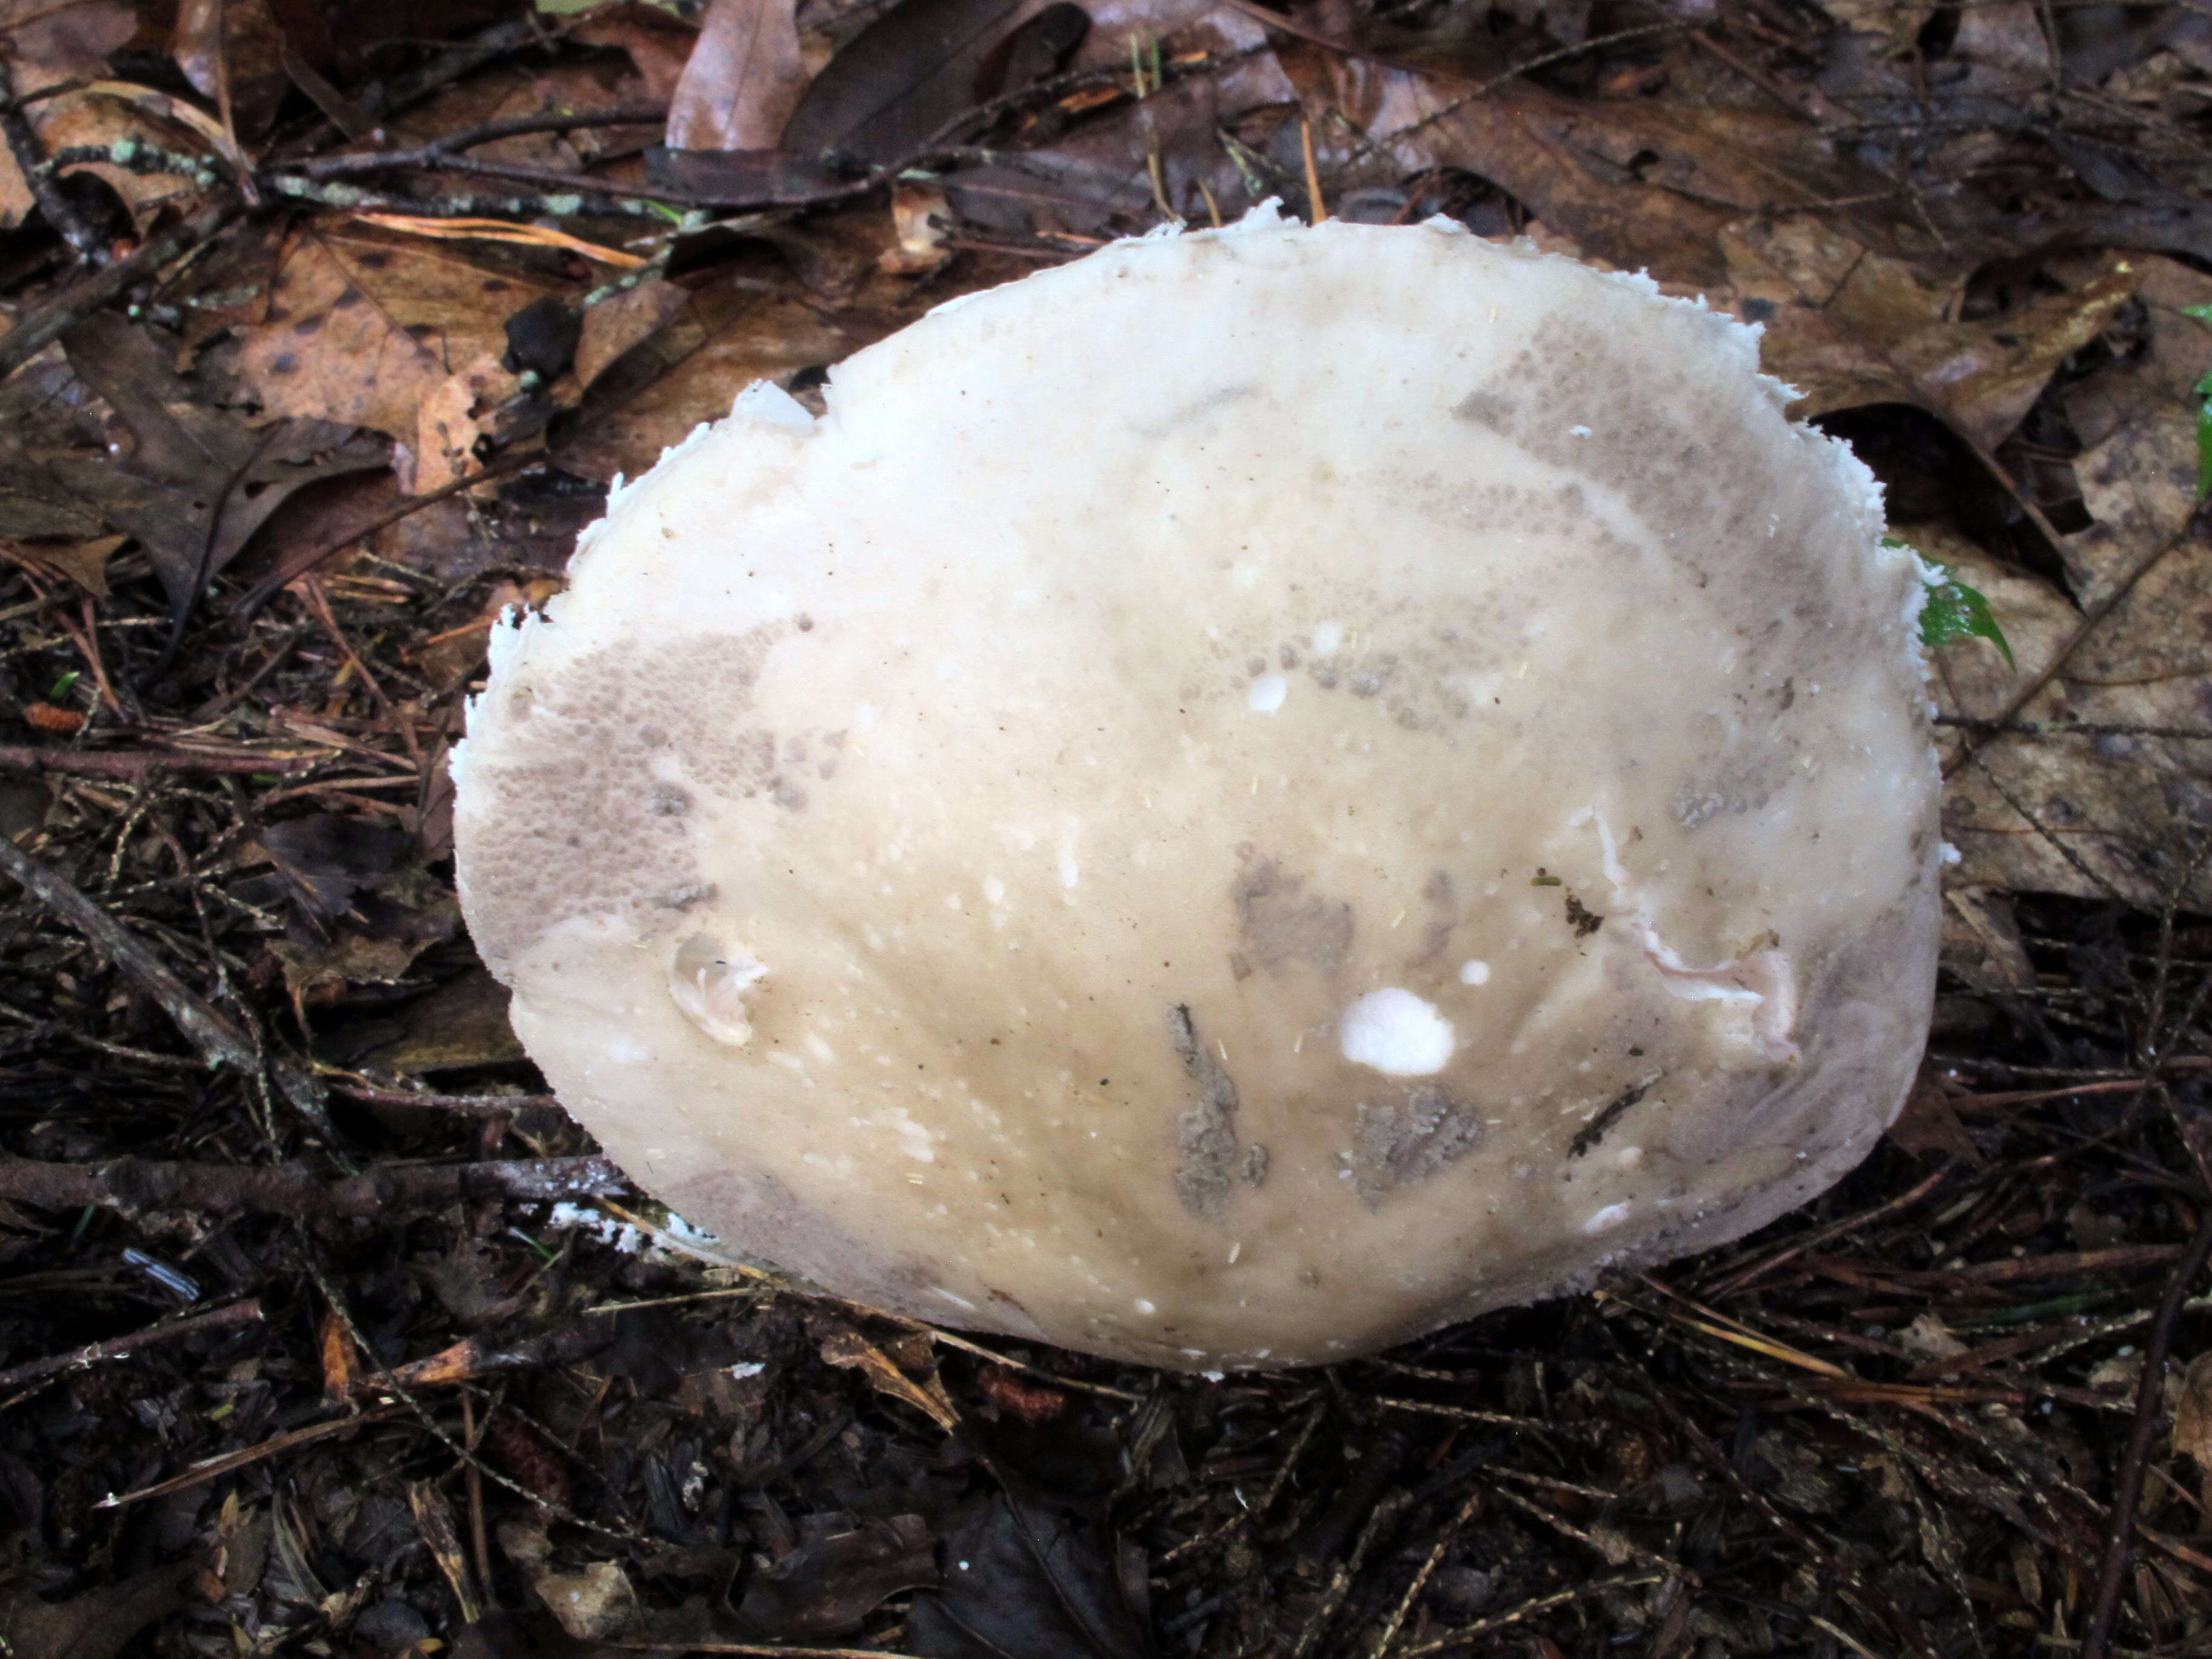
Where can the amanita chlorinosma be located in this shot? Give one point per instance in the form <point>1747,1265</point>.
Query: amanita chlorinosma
<point>1230,803</point>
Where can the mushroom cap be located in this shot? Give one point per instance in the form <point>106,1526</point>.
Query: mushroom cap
<point>1230,803</point>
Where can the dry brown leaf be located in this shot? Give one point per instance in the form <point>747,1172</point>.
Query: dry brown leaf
<point>233,53</point>
<point>1638,183</point>
<point>2103,813</point>
<point>2192,1419</point>
<point>73,43</point>
<point>721,341</point>
<point>846,1348</point>
<point>365,328</point>
<point>455,415</point>
<point>2106,813</point>
<point>1982,945</point>
<point>1930,1123</point>
<point>920,213</point>
<point>591,1604</point>
<point>659,43</point>
<point>744,79</point>
<point>434,1521</point>
<point>509,92</point>
<point>2138,472</point>
<point>614,325</point>
<point>84,562</point>
<point>1848,326</point>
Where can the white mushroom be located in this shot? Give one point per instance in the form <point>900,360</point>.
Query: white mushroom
<point>1230,803</point>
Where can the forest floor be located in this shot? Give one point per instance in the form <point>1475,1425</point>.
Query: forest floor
<point>325,1330</point>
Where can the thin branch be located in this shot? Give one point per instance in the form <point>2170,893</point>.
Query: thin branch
<point>133,1185</point>
<point>2150,1418</point>
<point>77,1359</point>
<point>136,765</point>
<point>42,326</point>
<point>46,189</point>
<point>219,1042</point>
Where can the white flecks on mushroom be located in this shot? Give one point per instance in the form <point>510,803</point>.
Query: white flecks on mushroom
<point>1396,1033</point>
<point>1060,993</point>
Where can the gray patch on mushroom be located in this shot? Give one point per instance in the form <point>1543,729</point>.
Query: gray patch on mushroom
<point>1444,905</point>
<point>683,897</point>
<point>1405,1143</point>
<point>1205,1133</point>
<point>1281,925</point>
<point>1255,1166</point>
<point>585,779</point>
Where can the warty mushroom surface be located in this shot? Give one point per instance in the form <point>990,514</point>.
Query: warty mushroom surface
<point>1230,803</point>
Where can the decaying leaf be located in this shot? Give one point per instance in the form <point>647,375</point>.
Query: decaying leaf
<point>434,1521</point>
<point>845,1347</point>
<point>1026,1580</point>
<point>84,562</point>
<point>744,79</point>
<point>2192,1419</point>
<point>684,370</point>
<point>50,45</point>
<point>591,1603</point>
<point>1848,325</point>
<point>363,327</point>
<point>1981,940</point>
<point>193,482</point>
<point>460,1025</point>
<point>1930,1123</point>
<point>94,1624</point>
<point>840,1573</point>
<point>455,416</point>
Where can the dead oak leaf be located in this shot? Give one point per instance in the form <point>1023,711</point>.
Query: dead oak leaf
<point>362,328</point>
<point>2138,419</point>
<point>50,45</point>
<point>1638,183</point>
<point>1848,325</point>
<point>686,370</point>
<point>2097,813</point>
<point>454,415</point>
<point>743,81</point>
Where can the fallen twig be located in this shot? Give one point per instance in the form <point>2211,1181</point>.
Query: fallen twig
<point>41,326</point>
<point>213,1466</point>
<point>132,765</point>
<point>220,1042</point>
<point>2151,1416</point>
<point>133,1185</point>
<point>217,1319</point>
<point>46,190</point>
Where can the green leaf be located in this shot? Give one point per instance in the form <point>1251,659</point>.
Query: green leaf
<point>1956,611</point>
<point>2204,433</point>
<point>62,687</point>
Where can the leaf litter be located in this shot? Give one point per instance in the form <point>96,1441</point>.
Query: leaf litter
<point>367,1367</point>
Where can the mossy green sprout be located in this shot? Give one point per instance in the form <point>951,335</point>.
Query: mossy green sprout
<point>1955,611</point>
<point>2204,392</point>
